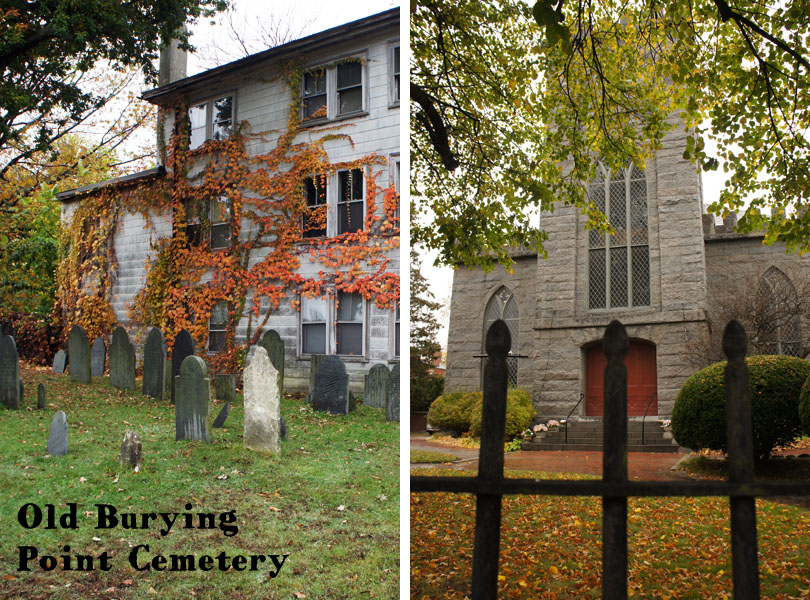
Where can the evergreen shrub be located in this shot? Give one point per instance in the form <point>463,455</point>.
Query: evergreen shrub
<point>452,411</point>
<point>520,413</point>
<point>699,414</point>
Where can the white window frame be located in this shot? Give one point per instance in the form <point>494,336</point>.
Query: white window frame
<point>396,331</point>
<point>332,98</point>
<point>338,199</point>
<point>223,330</point>
<point>394,75</point>
<point>331,324</point>
<point>209,117</point>
<point>324,181</point>
<point>197,220</point>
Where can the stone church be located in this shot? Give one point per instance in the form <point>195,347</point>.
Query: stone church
<point>665,273</point>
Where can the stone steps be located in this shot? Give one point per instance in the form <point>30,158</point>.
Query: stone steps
<point>587,435</point>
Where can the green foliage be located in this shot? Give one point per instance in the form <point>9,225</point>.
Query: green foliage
<point>37,339</point>
<point>47,47</point>
<point>509,93</point>
<point>452,411</point>
<point>520,413</point>
<point>699,414</point>
<point>804,407</point>
<point>514,445</point>
<point>424,390</point>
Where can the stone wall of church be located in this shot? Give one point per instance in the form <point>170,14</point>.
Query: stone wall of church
<point>735,264</point>
<point>472,289</point>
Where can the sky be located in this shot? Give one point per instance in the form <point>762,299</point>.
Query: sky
<point>298,18</point>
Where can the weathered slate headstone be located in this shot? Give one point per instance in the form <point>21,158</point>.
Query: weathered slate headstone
<point>154,364</point>
<point>223,414</point>
<point>79,352</point>
<point>98,357</point>
<point>262,406</point>
<point>59,361</point>
<point>375,386</point>
<point>22,390</point>
<point>285,433</point>
<point>131,450</point>
<point>41,393</point>
<point>225,387</point>
<point>314,365</point>
<point>272,342</point>
<point>331,391</point>
<point>122,360</point>
<point>192,401</point>
<point>183,346</point>
<point>392,396</point>
<point>58,435</point>
<point>9,373</point>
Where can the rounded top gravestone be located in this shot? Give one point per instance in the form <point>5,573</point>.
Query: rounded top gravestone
<point>193,366</point>
<point>98,357</point>
<point>122,360</point>
<point>154,364</point>
<point>79,352</point>
<point>183,346</point>
<point>272,342</point>
<point>9,373</point>
<point>375,388</point>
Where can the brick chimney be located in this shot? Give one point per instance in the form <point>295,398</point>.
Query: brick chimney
<point>172,66</point>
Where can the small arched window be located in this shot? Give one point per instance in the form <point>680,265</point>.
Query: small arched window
<point>619,264</point>
<point>777,315</point>
<point>503,305</point>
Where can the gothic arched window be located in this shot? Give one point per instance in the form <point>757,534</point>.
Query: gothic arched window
<point>619,264</point>
<point>778,327</point>
<point>502,305</point>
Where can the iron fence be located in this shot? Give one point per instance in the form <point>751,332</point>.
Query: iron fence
<point>490,485</point>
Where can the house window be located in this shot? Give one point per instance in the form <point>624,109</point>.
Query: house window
<point>396,332</point>
<point>619,264</point>
<point>349,324</point>
<point>212,119</point>
<point>778,311</point>
<point>395,74</point>
<point>216,327</point>
<point>314,217</point>
<point>333,92</point>
<point>333,325</point>
<point>502,305</point>
<point>349,87</point>
<point>315,94</point>
<point>219,222</point>
<point>350,201</point>
<point>313,325</point>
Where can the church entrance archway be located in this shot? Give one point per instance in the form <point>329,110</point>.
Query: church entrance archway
<point>642,379</point>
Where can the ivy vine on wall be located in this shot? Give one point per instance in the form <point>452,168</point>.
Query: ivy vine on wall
<point>260,198</point>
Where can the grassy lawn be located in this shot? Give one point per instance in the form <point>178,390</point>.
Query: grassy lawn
<point>330,500</point>
<point>419,457</point>
<point>551,546</point>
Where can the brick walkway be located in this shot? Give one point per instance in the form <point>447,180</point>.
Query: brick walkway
<point>646,466</point>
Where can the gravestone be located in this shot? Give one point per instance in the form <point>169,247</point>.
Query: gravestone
<point>262,406</point>
<point>98,357</point>
<point>331,390</point>
<point>285,433</point>
<point>59,361</point>
<point>154,364</point>
<point>192,401</point>
<point>22,390</point>
<point>7,329</point>
<point>79,352</point>
<point>314,365</point>
<point>225,387</point>
<point>41,396</point>
<point>58,435</point>
<point>392,396</point>
<point>131,451</point>
<point>9,373</point>
<point>375,386</point>
<point>183,347</point>
<point>223,414</point>
<point>122,360</point>
<point>275,350</point>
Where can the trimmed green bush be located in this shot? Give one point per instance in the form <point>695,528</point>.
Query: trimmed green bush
<point>804,407</point>
<point>452,411</point>
<point>520,413</point>
<point>699,414</point>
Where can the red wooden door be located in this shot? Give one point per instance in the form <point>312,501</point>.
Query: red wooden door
<point>642,380</point>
